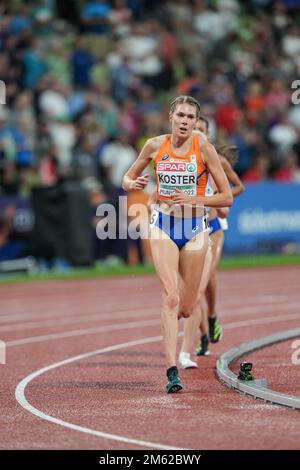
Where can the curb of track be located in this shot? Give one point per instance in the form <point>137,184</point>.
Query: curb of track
<point>256,388</point>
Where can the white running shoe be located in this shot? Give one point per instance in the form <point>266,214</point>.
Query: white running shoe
<point>185,361</point>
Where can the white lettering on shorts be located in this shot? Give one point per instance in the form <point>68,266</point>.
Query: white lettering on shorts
<point>154,217</point>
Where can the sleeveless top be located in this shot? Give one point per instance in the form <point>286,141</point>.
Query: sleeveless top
<point>187,172</point>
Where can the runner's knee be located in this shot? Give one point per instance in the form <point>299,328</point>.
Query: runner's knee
<point>172,300</point>
<point>186,310</point>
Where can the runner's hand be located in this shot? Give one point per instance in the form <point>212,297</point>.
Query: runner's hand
<point>179,197</point>
<point>223,212</point>
<point>140,183</point>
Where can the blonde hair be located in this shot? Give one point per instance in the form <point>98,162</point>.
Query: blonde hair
<point>188,100</point>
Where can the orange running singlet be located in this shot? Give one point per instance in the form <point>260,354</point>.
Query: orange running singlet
<point>187,172</point>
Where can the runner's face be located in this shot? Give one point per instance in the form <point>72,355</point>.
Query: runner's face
<point>183,119</point>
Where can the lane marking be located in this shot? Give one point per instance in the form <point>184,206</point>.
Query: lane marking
<point>82,332</point>
<point>104,329</point>
<point>261,321</point>
<point>20,389</point>
<point>79,319</point>
<point>67,310</point>
<point>21,399</point>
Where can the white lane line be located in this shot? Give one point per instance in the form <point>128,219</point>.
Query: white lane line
<point>262,321</point>
<point>28,319</point>
<point>121,326</point>
<point>85,331</point>
<point>136,312</point>
<point>20,389</point>
<point>261,308</point>
<point>53,311</point>
<point>21,399</point>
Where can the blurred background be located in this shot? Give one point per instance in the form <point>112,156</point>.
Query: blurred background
<point>84,84</point>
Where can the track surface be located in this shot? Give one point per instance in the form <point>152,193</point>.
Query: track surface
<point>115,399</point>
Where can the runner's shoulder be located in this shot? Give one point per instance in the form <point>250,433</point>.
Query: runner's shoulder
<point>155,143</point>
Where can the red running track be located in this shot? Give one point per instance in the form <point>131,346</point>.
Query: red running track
<point>115,399</point>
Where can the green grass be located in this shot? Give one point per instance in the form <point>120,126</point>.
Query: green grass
<point>99,270</point>
<point>259,261</point>
<point>81,273</point>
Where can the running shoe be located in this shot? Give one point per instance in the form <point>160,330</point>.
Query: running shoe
<point>215,330</point>
<point>174,384</point>
<point>202,346</point>
<point>185,361</point>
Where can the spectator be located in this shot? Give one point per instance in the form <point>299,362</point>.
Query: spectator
<point>289,171</point>
<point>283,135</point>
<point>258,170</point>
<point>116,159</point>
<point>95,17</point>
<point>71,86</point>
<point>81,62</point>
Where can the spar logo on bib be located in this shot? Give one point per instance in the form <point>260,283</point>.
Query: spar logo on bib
<point>172,166</point>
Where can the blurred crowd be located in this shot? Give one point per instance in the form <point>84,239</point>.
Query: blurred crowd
<point>87,82</point>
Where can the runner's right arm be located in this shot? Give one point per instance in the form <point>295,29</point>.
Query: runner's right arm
<point>132,179</point>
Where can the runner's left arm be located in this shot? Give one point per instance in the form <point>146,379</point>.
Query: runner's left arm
<point>236,184</point>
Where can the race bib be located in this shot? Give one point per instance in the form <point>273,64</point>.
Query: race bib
<point>177,175</point>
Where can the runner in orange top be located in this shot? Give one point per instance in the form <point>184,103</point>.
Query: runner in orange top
<point>178,229</point>
<point>187,172</point>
